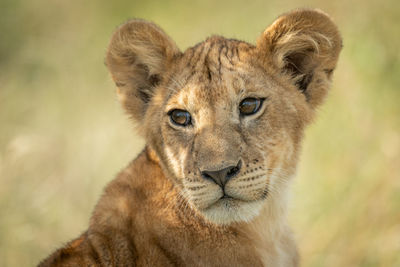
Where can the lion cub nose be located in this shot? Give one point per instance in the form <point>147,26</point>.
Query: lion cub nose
<point>221,177</point>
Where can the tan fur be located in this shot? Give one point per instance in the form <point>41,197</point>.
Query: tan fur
<point>160,210</point>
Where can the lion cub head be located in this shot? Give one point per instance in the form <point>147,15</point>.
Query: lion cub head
<point>225,118</point>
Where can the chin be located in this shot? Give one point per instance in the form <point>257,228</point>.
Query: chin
<point>226,211</point>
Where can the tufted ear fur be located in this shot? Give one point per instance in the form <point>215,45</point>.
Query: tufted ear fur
<point>138,56</point>
<point>305,45</point>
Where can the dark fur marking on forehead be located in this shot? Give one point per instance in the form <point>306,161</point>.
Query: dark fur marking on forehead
<point>230,56</point>
<point>206,55</point>
<point>226,52</point>
<point>230,68</point>
<point>191,52</point>
<point>219,59</point>
<point>205,60</point>
<point>207,63</point>
<point>201,54</point>
<point>209,76</point>
<point>196,56</point>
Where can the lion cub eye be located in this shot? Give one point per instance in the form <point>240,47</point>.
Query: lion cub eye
<point>249,106</point>
<point>180,117</point>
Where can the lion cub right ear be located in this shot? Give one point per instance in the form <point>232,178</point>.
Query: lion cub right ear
<point>138,55</point>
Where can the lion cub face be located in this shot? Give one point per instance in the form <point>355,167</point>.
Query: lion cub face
<point>226,126</point>
<point>225,117</point>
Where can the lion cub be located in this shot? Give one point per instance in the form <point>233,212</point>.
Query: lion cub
<point>223,122</point>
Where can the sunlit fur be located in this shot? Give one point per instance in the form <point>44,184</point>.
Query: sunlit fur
<point>161,210</point>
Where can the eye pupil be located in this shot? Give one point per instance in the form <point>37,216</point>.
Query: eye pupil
<point>180,117</point>
<point>249,106</point>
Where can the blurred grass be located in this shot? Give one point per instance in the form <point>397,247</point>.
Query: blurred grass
<point>63,135</point>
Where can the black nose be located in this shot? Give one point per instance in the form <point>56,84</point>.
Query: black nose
<point>221,177</point>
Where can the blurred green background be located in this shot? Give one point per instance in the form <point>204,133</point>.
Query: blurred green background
<point>63,135</point>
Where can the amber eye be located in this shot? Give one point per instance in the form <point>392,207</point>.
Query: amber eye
<point>180,117</point>
<point>249,106</point>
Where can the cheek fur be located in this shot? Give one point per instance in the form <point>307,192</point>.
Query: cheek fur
<point>177,158</point>
<point>174,161</point>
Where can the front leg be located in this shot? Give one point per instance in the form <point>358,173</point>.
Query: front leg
<point>78,252</point>
<point>94,249</point>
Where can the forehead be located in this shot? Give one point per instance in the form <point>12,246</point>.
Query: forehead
<point>217,68</point>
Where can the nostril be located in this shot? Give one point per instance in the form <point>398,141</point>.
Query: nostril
<point>206,176</point>
<point>234,170</point>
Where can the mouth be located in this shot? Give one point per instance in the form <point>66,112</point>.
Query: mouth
<point>225,196</point>
<point>227,202</point>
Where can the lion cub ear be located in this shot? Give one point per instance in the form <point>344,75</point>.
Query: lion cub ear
<point>304,45</point>
<point>138,56</point>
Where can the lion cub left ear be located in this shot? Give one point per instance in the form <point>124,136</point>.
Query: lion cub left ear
<point>138,56</point>
<point>304,45</point>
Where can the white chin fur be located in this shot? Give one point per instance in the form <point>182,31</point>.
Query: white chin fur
<point>227,211</point>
